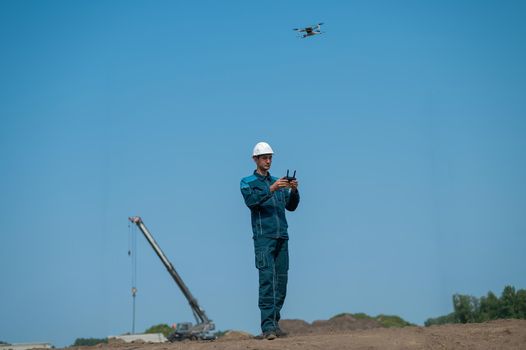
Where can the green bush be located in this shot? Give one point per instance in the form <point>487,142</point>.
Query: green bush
<point>362,316</point>
<point>385,320</point>
<point>219,334</point>
<point>160,328</point>
<point>392,321</point>
<point>449,318</point>
<point>89,341</point>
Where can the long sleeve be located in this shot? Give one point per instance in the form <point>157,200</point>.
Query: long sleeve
<point>254,196</point>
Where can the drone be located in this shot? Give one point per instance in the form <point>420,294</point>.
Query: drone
<point>309,31</point>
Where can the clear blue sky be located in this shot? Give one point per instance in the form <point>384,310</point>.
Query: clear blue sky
<point>405,121</point>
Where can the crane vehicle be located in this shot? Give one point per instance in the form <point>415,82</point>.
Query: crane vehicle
<point>185,330</point>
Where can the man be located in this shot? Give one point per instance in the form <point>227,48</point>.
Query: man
<point>268,197</point>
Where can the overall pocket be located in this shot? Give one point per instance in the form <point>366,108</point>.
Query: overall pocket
<point>261,260</point>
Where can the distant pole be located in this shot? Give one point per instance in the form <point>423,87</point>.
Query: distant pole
<point>132,252</point>
<point>134,291</point>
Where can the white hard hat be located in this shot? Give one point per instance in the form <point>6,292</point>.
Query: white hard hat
<point>262,148</point>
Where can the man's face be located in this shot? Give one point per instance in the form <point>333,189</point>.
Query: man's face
<point>263,162</point>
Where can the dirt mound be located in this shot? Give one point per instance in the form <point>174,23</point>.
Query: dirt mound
<point>336,324</point>
<point>235,335</point>
<point>115,341</point>
<point>295,326</point>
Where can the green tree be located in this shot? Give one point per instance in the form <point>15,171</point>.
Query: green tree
<point>489,307</point>
<point>467,308</point>
<point>521,303</point>
<point>160,328</point>
<point>507,303</point>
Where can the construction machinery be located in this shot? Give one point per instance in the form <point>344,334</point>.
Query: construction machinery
<point>185,330</point>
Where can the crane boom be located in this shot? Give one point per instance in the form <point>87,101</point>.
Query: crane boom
<point>204,324</point>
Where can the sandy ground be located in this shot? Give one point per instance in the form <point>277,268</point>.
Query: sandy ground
<point>501,335</point>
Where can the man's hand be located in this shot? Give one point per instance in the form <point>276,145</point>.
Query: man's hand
<point>294,185</point>
<point>281,183</point>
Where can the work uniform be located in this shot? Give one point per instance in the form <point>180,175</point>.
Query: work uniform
<point>269,228</point>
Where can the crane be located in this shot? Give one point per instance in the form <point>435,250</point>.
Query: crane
<point>185,330</point>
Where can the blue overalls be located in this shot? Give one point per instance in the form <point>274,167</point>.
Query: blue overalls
<point>269,228</point>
